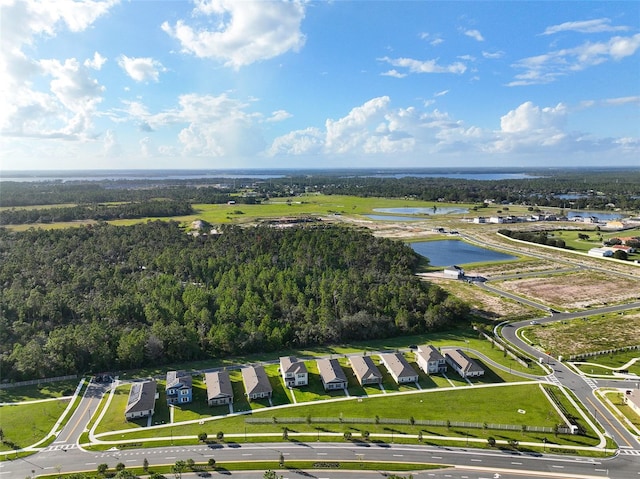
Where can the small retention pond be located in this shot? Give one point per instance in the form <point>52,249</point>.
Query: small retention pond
<point>449,252</point>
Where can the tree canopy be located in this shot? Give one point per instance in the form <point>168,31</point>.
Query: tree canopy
<point>101,297</point>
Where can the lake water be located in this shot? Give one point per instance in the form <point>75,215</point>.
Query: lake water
<point>447,210</point>
<point>449,252</point>
<point>602,216</point>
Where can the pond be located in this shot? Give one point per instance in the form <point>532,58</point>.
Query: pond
<point>449,252</point>
<point>601,215</point>
<point>439,210</point>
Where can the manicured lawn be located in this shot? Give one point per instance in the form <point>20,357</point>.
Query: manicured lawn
<point>26,424</point>
<point>114,419</point>
<point>614,360</point>
<point>502,405</point>
<point>41,391</point>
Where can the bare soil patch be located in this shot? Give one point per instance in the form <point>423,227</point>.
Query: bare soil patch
<point>586,335</point>
<point>575,290</point>
<point>485,304</point>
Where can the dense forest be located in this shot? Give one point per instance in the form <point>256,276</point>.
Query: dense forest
<point>103,297</point>
<point>99,212</point>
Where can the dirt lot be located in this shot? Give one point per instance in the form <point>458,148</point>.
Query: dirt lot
<point>588,334</point>
<point>575,290</point>
<point>484,303</point>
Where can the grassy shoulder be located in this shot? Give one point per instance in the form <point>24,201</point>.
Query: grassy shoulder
<point>26,424</point>
<point>294,467</point>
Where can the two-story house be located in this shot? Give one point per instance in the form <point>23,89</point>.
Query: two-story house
<point>294,372</point>
<point>179,387</point>
<point>430,360</point>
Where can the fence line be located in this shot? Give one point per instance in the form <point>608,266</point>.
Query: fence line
<point>37,381</point>
<point>578,357</point>
<point>503,347</point>
<point>407,422</point>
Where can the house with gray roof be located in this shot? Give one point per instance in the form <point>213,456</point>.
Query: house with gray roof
<point>256,382</point>
<point>332,375</point>
<point>294,372</point>
<point>365,370</point>
<point>430,360</point>
<point>461,363</point>
<point>142,400</point>
<point>179,388</point>
<point>399,368</point>
<point>219,390</point>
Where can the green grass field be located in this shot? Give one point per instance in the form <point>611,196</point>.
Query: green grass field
<point>39,391</point>
<point>503,405</point>
<point>26,424</point>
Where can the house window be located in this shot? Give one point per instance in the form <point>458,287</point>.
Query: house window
<point>184,399</point>
<point>184,392</point>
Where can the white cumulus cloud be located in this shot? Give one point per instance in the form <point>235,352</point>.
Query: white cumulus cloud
<point>423,66</point>
<point>141,69</point>
<point>241,32</point>
<point>475,34</point>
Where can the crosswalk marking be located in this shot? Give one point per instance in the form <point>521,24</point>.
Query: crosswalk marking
<point>592,384</point>
<point>630,452</point>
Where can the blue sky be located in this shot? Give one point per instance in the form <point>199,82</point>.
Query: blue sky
<point>243,84</point>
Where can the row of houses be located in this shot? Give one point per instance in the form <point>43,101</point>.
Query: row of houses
<point>179,385</point>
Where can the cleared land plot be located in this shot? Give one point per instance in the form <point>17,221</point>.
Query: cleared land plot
<point>527,265</point>
<point>26,424</point>
<point>585,335</point>
<point>574,290</point>
<point>486,304</point>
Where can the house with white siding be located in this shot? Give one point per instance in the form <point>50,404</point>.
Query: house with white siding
<point>430,360</point>
<point>399,368</point>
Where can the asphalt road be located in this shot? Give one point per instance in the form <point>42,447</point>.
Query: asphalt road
<point>469,463</point>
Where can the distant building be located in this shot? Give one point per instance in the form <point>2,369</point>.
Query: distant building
<point>331,374</point>
<point>142,400</point>
<point>479,220</point>
<point>256,383</point>
<point>179,389</point>
<point>430,360</point>
<point>462,364</point>
<point>294,372</point>
<point>219,389</point>
<point>454,272</point>
<point>399,368</point>
<point>600,252</point>
<point>365,370</point>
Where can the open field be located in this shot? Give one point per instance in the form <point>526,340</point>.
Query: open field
<point>26,424</point>
<point>587,334</point>
<point>574,290</point>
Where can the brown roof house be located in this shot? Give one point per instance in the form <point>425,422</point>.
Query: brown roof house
<point>294,372</point>
<point>256,382</point>
<point>142,400</point>
<point>399,368</point>
<point>365,370</point>
<point>332,375</point>
<point>179,387</point>
<point>219,390</point>
<point>430,360</point>
<point>462,364</point>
